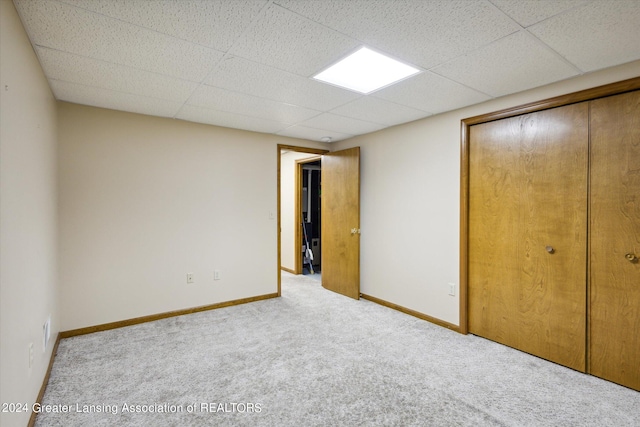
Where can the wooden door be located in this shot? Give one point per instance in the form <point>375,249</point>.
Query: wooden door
<point>340,230</point>
<point>614,342</point>
<point>527,233</point>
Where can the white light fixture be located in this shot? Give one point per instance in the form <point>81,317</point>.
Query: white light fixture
<point>365,71</point>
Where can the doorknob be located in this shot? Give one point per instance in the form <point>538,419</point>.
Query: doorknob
<point>550,249</point>
<point>631,257</point>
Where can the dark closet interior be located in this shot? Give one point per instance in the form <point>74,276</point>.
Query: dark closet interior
<point>311,217</point>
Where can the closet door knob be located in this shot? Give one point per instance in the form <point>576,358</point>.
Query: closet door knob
<point>549,249</point>
<point>631,257</point>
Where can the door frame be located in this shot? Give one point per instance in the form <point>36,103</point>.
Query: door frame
<point>465,124</point>
<point>279,149</point>
<point>297,203</point>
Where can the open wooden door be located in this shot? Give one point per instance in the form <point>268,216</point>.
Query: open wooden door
<point>340,210</point>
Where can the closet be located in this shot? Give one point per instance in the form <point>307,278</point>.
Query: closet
<point>553,232</point>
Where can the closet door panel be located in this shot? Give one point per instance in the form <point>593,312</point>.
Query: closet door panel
<point>527,232</point>
<point>614,344</point>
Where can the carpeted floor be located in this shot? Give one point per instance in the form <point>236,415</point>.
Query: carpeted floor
<point>315,358</point>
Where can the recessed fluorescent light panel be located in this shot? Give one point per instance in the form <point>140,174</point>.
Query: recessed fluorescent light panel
<point>365,71</point>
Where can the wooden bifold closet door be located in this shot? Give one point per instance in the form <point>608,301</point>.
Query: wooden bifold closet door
<point>614,322</point>
<point>554,235</point>
<point>527,232</point>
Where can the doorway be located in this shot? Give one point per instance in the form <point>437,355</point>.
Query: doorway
<point>308,236</point>
<point>291,160</point>
<point>340,211</point>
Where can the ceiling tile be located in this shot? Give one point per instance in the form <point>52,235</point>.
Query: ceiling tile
<point>312,134</point>
<point>598,35</point>
<point>230,120</point>
<point>63,27</point>
<point>97,97</point>
<point>341,124</point>
<point>513,64</point>
<point>234,102</point>
<point>378,110</point>
<point>431,92</point>
<point>92,72</point>
<point>213,23</point>
<point>287,41</point>
<point>242,75</point>
<point>528,12</point>
<point>423,33</point>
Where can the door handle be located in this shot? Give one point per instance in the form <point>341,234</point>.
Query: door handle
<point>549,249</point>
<point>631,257</point>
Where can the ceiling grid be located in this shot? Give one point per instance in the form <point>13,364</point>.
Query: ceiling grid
<point>248,64</point>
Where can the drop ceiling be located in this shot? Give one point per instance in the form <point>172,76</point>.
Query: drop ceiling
<point>248,64</point>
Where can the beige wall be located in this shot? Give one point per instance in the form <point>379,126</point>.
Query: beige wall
<point>410,209</point>
<point>142,201</point>
<point>287,207</point>
<point>28,221</point>
<point>146,200</point>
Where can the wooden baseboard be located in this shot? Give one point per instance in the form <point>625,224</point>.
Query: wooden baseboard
<point>413,313</point>
<point>288,270</point>
<point>153,317</point>
<point>45,381</point>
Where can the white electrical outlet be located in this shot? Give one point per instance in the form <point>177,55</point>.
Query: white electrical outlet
<point>216,275</point>
<point>30,355</point>
<point>452,289</point>
<point>189,277</point>
<point>46,333</point>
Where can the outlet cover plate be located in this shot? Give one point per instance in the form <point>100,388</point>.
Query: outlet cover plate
<point>452,289</point>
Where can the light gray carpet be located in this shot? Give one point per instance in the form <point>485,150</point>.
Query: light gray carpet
<point>315,358</point>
